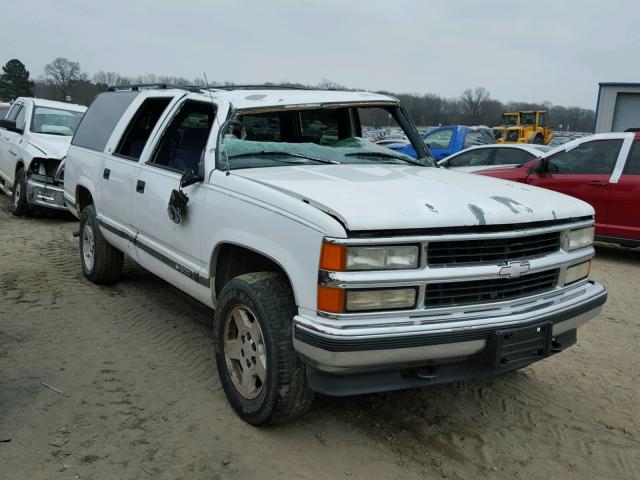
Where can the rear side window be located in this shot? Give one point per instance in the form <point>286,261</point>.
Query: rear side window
<point>472,158</point>
<point>139,129</point>
<point>103,115</point>
<point>511,156</point>
<point>596,157</point>
<point>633,162</point>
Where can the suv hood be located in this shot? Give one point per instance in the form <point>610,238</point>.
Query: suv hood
<point>49,146</point>
<point>384,197</point>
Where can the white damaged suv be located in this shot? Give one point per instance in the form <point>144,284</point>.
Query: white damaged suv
<point>34,138</point>
<point>334,265</point>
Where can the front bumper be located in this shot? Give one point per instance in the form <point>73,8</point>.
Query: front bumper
<point>45,195</point>
<point>417,342</point>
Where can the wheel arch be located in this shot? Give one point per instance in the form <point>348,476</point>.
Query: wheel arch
<point>230,259</point>
<point>84,197</point>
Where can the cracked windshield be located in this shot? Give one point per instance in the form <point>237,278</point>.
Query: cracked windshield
<point>345,135</point>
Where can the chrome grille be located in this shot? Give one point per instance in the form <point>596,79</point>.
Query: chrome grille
<point>495,250</point>
<point>486,291</point>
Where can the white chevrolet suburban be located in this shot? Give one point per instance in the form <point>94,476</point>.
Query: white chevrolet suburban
<point>34,138</point>
<point>334,265</point>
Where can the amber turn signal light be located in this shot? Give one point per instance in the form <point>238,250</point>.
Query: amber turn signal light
<point>333,257</point>
<point>330,300</point>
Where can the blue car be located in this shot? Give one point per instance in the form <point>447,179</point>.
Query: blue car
<point>450,139</point>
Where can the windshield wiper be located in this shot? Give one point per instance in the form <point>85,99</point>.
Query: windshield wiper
<point>382,154</point>
<point>287,154</point>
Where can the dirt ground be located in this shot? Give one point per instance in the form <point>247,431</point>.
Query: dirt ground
<point>141,398</point>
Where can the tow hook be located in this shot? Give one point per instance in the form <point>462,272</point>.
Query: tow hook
<point>425,373</point>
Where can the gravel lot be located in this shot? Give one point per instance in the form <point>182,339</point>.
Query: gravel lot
<point>141,398</point>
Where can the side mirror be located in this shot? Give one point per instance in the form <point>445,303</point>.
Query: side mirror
<point>177,208</point>
<point>10,125</point>
<point>189,177</point>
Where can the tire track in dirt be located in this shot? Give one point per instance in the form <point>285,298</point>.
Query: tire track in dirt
<point>145,399</point>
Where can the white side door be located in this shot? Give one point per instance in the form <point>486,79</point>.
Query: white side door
<point>117,181</point>
<point>173,251</point>
<point>10,142</point>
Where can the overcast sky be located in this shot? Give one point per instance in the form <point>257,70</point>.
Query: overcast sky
<point>531,51</point>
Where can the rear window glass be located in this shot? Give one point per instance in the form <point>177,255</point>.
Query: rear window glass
<point>103,115</point>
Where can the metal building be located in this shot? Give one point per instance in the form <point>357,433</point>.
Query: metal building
<point>618,107</point>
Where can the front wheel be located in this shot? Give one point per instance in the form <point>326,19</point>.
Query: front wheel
<point>19,204</point>
<point>260,372</point>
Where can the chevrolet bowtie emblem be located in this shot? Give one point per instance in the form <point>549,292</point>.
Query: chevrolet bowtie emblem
<point>514,269</point>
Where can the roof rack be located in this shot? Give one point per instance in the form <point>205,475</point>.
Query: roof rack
<point>159,86</point>
<point>254,87</point>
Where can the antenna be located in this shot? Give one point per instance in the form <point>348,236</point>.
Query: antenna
<point>206,81</point>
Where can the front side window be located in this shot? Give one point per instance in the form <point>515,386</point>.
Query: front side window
<point>472,158</point>
<point>144,121</point>
<point>511,156</point>
<point>596,157</point>
<point>55,121</point>
<point>312,136</point>
<point>510,120</point>
<point>633,162</point>
<point>182,145</point>
<point>439,139</point>
<point>529,118</point>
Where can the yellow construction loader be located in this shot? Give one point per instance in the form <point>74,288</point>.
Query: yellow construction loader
<point>523,127</point>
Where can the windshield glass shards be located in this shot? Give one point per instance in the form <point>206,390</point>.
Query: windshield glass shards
<point>308,137</point>
<point>256,154</point>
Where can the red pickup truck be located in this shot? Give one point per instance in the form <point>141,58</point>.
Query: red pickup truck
<point>603,170</point>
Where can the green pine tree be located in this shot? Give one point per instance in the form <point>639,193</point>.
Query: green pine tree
<point>14,81</point>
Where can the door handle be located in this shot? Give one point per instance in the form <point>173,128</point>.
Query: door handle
<point>106,174</point>
<point>140,186</point>
<point>598,183</point>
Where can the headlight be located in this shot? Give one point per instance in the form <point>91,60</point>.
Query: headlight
<point>338,258</point>
<point>382,258</point>
<point>580,238</point>
<point>577,272</point>
<point>387,299</point>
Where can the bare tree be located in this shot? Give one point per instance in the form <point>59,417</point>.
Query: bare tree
<point>474,103</point>
<point>327,84</point>
<point>63,74</point>
<point>110,79</point>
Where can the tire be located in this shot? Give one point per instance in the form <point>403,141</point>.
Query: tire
<point>19,204</point>
<point>264,300</point>
<point>101,263</point>
<point>538,140</point>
